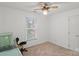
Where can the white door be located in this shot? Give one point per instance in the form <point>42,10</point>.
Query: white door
<point>74,32</point>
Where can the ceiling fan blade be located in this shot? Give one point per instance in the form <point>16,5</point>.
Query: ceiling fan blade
<point>37,8</point>
<point>41,4</point>
<point>54,6</point>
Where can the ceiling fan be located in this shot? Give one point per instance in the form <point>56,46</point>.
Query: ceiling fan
<point>45,7</point>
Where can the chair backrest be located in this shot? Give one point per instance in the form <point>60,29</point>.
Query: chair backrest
<point>17,40</point>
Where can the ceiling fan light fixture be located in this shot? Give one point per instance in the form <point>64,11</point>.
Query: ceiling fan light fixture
<point>45,12</point>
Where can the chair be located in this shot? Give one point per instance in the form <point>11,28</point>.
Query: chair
<point>21,45</point>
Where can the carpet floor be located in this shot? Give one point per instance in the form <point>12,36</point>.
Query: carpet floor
<point>49,49</point>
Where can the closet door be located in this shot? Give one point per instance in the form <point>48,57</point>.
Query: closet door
<point>74,32</point>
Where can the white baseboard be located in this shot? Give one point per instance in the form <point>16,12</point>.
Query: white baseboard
<point>33,43</point>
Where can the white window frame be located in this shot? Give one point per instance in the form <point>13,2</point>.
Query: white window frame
<point>32,28</point>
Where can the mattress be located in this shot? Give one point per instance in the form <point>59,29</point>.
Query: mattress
<point>12,52</point>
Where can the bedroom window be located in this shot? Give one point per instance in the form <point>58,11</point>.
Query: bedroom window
<point>31,31</point>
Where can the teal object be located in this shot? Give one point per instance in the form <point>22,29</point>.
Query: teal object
<point>6,45</point>
<point>5,40</point>
<point>12,52</point>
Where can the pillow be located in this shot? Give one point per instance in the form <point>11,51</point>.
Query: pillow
<point>5,41</point>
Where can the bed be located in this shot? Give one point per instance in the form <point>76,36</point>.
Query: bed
<point>12,52</point>
<point>7,47</point>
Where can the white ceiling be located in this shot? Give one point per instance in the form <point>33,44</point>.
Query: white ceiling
<point>28,6</point>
